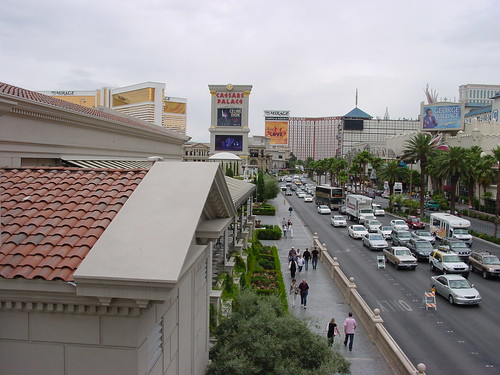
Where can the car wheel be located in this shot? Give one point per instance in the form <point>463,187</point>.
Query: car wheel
<point>485,274</point>
<point>444,271</point>
<point>466,275</point>
<point>450,299</point>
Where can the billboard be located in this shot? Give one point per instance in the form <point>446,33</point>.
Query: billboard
<point>276,126</point>
<point>229,116</point>
<point>228,143</point>
<point>353,124</point>
<point>442,116</point>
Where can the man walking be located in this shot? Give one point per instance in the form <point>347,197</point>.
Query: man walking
<point>304,291</point>
<point>349,327</point>
<point>306,256</point>
<point>315,256</point>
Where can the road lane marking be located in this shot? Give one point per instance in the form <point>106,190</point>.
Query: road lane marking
<point>393,305</point>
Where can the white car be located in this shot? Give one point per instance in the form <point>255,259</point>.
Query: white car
<point>456,289</point>
<point>357,231</point>
<point>338,221</point>
<point>385,231</point>
<point>372,225</point>
<point>374,241</point>
<point>308,198</point>
<point>324,210</point>
<point>399,224</point>
<point>301,194</point>
<point>378,210</point>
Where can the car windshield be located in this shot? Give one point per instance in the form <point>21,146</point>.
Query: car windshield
<point>460,284</point>
<point>375,222</point>
<point>423,233</point>
<point>338,218</point>
<point>386,229</point>
<point>366,211</point>
<point>404,235</point>
<point>358,228</point>
<point>377,206</point>
<point>423,245</point>
<point>458,244</point>
<point>460,231</point>
<point>415,219</point>
<point>399,222</point>
<point>451,258</point>
<point>323,207</point>
<point>402,252</point>
<point>376,237</point>
<point>491,260</point>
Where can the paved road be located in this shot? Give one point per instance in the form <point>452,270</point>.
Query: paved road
<point>451,340</point>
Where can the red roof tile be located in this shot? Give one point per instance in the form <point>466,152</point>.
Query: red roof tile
<point>48,234</point>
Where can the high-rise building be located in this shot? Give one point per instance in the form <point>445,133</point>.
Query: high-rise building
<point>476,94</point>
<point>315,137</point>
<point>145,101</point>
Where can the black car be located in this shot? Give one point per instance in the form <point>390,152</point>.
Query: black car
<point>420,248</point>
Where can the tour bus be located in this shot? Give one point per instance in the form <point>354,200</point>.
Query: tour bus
<point>447,225</point>
<point>331,196</point>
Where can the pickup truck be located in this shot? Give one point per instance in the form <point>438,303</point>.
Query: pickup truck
<point>401,257</point>
<point>432,205</point>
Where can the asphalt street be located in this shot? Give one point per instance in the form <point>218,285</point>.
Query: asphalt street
<point>450,340</point>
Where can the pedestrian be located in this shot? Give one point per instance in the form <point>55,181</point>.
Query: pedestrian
<point>283,222</point>
<point>349,327</point>
<point>331,331</point>
<point>294,290</point>
<point>289,222</point>
<point>292,266</point>
<point>304,291</point>
<point>315,256</point>
<point>297,253</point>
<point>290,209</point>
<point>285,229</point>
<point>300,263</point>
<point>292,254</point>
<point>306,256</point>
<point>290,229</point>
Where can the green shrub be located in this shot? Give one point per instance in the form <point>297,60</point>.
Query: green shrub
<point>485,237</point>
<point>269,234</point>
<point>265,210</point>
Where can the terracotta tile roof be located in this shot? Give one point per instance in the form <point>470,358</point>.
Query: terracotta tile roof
<point>52,217</point>
<point>62,104</point>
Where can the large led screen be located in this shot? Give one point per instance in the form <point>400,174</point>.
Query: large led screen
<point>228,116</point>
<point>442,116</point>
<point>351,124</point>
<point>228,143</point>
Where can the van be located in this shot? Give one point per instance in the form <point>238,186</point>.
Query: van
<point>446,225</point>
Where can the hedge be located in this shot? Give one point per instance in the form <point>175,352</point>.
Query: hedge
<point>265,210</point>
<point>273,233</point>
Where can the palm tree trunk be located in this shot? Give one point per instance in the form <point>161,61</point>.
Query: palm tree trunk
<point>454,183</point>
<point>422,186</point>
<point>497,204</point>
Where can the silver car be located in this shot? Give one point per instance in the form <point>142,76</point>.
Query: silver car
<point>338,221</point>
<point>374,241</point>
<point>423,235</point>
<point>385,231</point>
<point>372,225</point>
<point>399,224</point>
<point>456,289</point>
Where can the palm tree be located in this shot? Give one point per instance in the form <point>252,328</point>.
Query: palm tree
<point>336,166</point>
<point>484,173</point>
<point>453,164</point>
<point>376,163</point>
<point>392,172</point>
<point>474,155</point>
<point>496,155</point>
<point>420,148</point>
<point>362,158</point>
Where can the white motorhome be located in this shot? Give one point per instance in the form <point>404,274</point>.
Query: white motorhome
<point>359,208</point>
<point>447,225</point>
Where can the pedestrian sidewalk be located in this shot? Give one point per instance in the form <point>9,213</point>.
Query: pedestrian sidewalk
<point>325,300</point>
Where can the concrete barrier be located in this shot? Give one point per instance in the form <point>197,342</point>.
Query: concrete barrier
<point>371,320</point>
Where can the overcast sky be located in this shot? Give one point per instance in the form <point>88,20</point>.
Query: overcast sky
<point>305,56</point>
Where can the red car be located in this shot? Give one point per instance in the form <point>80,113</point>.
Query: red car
<point>414,222</point>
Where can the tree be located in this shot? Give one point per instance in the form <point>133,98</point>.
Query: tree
<point>362,159</point>
<point>229,172</point>
<point>392,172</point>
<point>496,155</point>
<point>260,338</point>
<point>420,148</point>
<point>336,167</point>
<point>376,163</point>
<point>452,164</point>
<point>271,188</point>
<point>260,186</point>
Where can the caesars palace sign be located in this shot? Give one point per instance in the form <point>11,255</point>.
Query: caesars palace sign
<point>230,97</point>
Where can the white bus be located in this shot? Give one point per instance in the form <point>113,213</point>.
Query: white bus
<point>447,225</point>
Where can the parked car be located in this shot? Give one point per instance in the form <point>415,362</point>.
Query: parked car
<point>456,289</point>
<point>399,224</point>
<point>424,235</point>
<point>308,198</point>
<point>400,237</point>
<point>420,248</point>
<point>356,231</point>
<point>401,257</point>
<point>457,246</point>
<point>324,209</point>
<point>447,262</point>
<point>385,231</point>
<point>372,225</point>
<point>338,221</point>
<point>432,205</point>
<point>484,262</point>
<point>414,222</point>
<point>378,210</point>
<point>374,241</point>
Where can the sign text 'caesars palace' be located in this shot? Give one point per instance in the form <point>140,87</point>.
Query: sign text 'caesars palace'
<point>230,97</point>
